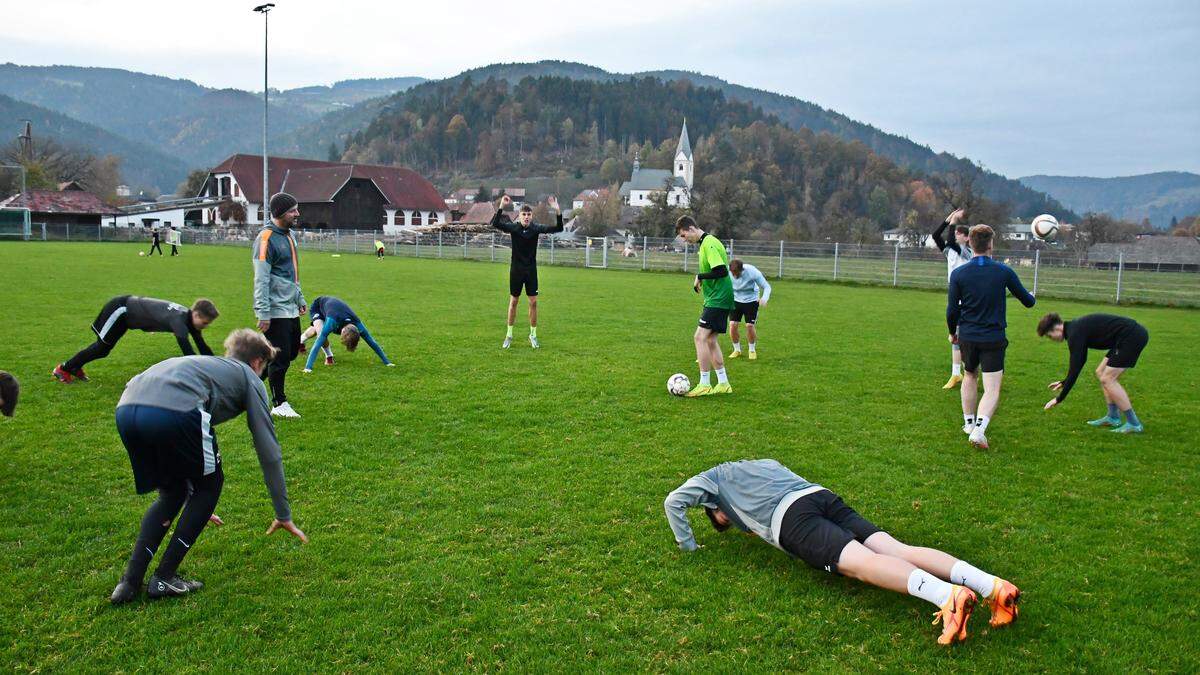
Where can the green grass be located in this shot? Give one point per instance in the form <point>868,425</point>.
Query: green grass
<point>479,509</point>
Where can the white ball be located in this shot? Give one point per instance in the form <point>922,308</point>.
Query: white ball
<point>678,384</point>
<point>141,253</point>
<point>1044,227</point>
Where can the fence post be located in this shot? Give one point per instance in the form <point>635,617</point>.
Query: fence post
<point>417,245</point>
<point>493,247</point>
<point>685,256</point>
<point>835,261</point>
<point>355,240</point>
<point>731,247</point>
<point>896,266</point>
<point>1037,263</point>
<point>464,236</point>
<point>551,250</point>
<point>439,243</point>
<point>337,240</point>
<point>604,253</point>
<point>645,251</point>
<point>780,258</point>
<point>100,232</point>
<point>1120,270</point>
<point>68,232</point>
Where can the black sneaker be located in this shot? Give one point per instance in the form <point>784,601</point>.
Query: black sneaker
<point>175,586</point>
<point>126,591</point>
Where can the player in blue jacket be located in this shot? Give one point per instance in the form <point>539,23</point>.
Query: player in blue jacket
<point>332,315</point>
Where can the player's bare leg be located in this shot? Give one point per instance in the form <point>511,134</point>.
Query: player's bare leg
<point>703,357</point>
<point>970,399</point>
<point>752,335</point>
<point>512,318</point>
<point>987,407</point>
<point>533,341</point>
<point>736,339</point>
<point>956,368</point>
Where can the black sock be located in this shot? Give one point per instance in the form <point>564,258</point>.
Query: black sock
<point>154,527</point>
<point>96,350</point>
<point>200,505</point>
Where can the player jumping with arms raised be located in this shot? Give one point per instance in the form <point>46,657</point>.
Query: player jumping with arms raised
<point>522,271</point>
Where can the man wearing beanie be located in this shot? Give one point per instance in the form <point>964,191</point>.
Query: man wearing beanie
<point>278,300</point>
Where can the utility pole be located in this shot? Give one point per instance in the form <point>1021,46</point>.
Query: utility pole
<point>266,197</point>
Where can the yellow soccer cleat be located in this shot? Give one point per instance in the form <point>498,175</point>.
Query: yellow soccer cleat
<point>954,615</point>
<point>699,390</point>
<point>734,354</point>
<point>753,356</point>
<point>1003,603</point>
<point>953,382</point>
<point>722,389</point>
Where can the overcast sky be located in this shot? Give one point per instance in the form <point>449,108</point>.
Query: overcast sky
<point>1097,88</point>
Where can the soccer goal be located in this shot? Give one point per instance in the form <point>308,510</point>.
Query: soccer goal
<point>14,222</point>
<point>595,252</point>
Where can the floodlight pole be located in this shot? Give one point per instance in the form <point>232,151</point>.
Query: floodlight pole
<point>266,189</point>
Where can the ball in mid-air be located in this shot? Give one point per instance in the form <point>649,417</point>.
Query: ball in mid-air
<point>1044,227</point>
<point>678,384</point>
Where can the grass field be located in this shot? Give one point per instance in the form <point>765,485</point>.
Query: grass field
<point>488,510</point>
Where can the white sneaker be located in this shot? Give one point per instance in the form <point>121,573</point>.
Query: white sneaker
<point>533,342</point>
<point>968,428</point>
<point>507,343</point>
<point>978,439</point>
<point>284,410</point>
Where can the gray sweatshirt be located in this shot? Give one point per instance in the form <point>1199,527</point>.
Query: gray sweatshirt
<point>153,315</point>
<point>277,293</point>
<point>224,388</point>
<point>748,492</point>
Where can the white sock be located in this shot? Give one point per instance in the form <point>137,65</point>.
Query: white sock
<point>722,378</point>
<point>981,423</point>
<point>969,420</point>
<point>327,350</point>
<point>956,369</point>
<point>752,346</point>
<point>927,587</point>
<point>737,346</point>
<point>705,379</point>
<point>966,574</point>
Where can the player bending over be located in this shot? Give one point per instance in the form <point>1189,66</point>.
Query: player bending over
<point>145,314</point>
<point>957,252</point>
<point>331,315</point>
<point>1124,339</point>
<point>718,301</point>
<point>166,418</point>
<point>748,281</point>
<point>975,314</point>
<point>10,389</point>
<point>522,271</point>
<point>380,249</point>
<point>812,523</point>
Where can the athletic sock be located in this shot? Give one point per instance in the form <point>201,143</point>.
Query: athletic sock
<point>972,577</point>
<point>1113,411</point>
<point>327,350</point>
<point>969,420</point>
<point>509,333</point>
<point>737,346</point>
<point>704,379</point>
<point>1130,416</point>
<point>956,369</point>
<point>752,345</point>
<point>927,587</point>
<point>533,331</point>
<point>981,423</point>
<point>722,378</point>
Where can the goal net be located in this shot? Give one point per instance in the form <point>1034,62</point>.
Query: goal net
<point>595,252</point>
<point>14,222</point>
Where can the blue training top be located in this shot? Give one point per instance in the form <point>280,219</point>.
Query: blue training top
<point>334,315</point>
<point>975,305</point>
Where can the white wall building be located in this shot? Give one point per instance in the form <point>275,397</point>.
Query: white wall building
<point>677,182</point>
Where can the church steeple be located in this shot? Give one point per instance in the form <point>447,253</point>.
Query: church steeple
<point>637,161</point>
<point>683,157</point>
<point>685,145</point>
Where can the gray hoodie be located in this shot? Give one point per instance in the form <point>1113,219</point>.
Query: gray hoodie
<point>224,388</point>
<point>277,293</point>
<point>749,492</point>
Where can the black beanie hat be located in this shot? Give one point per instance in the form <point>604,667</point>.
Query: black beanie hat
<point>281,203</point>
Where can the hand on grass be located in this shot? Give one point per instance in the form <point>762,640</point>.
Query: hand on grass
<point>1056,386</point>
<point>288,525</point>
<point>1050,404</point>
<point>216,520</point>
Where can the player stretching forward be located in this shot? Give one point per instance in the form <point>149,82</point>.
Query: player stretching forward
<point>812,523</point>
<point>718,301</point>
<point>975,314</point>
<point>957,252</point>
<point>747,282</point>
<point>145,314</point>
<point>331,315</point>
<point>1124,339</point>
<point>522,272</point>
<point>166,418</point>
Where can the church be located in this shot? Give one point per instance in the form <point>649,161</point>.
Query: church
<point>678,183</point>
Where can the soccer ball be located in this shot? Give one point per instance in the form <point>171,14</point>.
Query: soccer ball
<point>678,384</point>
<point>141,253</point>
<point>1044,227</point>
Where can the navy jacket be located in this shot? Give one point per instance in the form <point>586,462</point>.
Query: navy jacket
<point>975,305</point>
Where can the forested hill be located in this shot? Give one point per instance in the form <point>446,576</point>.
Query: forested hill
<point>1159,197</point>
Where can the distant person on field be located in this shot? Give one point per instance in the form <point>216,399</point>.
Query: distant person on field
<point>812,523</point>
<point>10,389</point>
<point>331,315</point>
<point>1123,338</point>
<point>717,288</point>
<point>155,242</point>
<point>957,252</point>
<point>278,300</point>
<point>151,315</point>
<point>748,283</point>
<point>166,419</point>
<point>522,271</point>
<point>173,239</point>
<point>976,317</point>
<point>380,249</point>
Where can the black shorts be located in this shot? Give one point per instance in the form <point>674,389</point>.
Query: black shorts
<point>522,277</point>
<point>284,335</point>
<point>110,324</point>
<point>988,356</point>
<point>166,446</point>
<point>744,310</point>
<point>1129,347</point>
<point>816,528</point>
<point>715,319</point>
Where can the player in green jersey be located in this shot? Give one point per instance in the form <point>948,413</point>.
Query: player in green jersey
<point>714,282</point>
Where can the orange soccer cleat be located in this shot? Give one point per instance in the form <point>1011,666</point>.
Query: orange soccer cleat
<point>954,615</point>
<point>1003,603</point>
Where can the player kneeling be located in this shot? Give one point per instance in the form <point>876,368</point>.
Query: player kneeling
<point>166,418</point>
<point>814,524</point>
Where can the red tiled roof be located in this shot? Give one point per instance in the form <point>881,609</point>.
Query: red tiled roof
<point>402,188</point>
<point>53,201</point>
<point>316,185</point>
<point>479,213</point>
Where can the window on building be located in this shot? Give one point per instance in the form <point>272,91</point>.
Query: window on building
<point>237,190</point>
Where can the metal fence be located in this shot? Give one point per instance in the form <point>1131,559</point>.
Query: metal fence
<point>1046,273</point>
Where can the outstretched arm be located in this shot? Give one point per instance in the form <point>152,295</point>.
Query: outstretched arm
<point>952,299</point>
<point>1079,354</point>
<point>270,455</point>
<point>552,229</point>
<point>326,329</point>
<point>937,235</point>
<point>1018,291</point>
<point>501,222</point>
<point>764,287</point>
<point>366,335</point>
<point>696,490</point>
<point>201,345</point>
